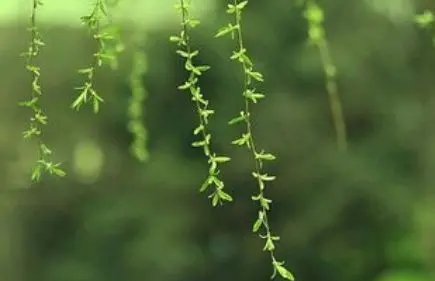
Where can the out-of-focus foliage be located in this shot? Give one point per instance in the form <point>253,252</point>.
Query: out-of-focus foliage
<point>367,215</point>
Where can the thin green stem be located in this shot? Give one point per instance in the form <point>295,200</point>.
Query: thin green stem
<point>334,97</point>
<point>316,33</point>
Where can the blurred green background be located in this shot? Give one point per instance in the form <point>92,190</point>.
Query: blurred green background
<point>368,215</point>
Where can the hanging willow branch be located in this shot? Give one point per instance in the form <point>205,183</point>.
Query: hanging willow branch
<point>101,37</point>
<point>251,96</point>
<point>136,103</point>
<point>316,36</point>
<point>39,118</point>
<point>218,195</point>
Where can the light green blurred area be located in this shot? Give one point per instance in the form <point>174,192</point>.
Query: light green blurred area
<point>148,13</point>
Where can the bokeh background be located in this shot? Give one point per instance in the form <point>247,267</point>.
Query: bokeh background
<point>368,215</point>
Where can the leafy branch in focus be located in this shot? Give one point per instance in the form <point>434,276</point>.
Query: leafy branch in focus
<point>39,118</point>
<point>102,36</point>
<point>218,195</point>
<point>252,96</point>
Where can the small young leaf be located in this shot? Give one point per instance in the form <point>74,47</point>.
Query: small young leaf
<point>224,196</point>
<point>231,9</point>
<point>198,129</point>
<point>58,172</point>
<point>242,5</point>
<point>36,174</point>
<point>175,39</point>
<point>221,159</point>
<point>238,119</point>
<point>256,75</point>
<point>269,245</point>
<point>263,177</point>
<point>265,156</point>
<point>284,272</point>
<point>206,184</point>
<point>198,143</point>
<point>215,199</point>
<point>226,30</point>
<point>258,222</point>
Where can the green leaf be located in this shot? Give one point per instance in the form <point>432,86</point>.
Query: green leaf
<point>231,9</point>
<point>193,54</point>
<point>31,132</point>
<point>242,5</point>
<point>29,103</point>
<point>215,199</point>
<point>188,84</point>
<point>264,202</point>
<point>244,139</point>
<point>238,119</point>
<point>283,272</point>
<point>224,196</point>
<point>175,39</point>
<point>198,129</point>
<point>202,68</point>
<point>198,143</point>
<point>226,30</point>
<point>85,70</point>
<point>96,106</point>
<point>256,75</point>
<point>79,100</point>
<point>57,171</point>
<point>213,167</point>
<point>221,159</point>
<point>254,97</point>
<point>104,36</point>
<point>269,245</point>
<point>237,55</point>
<point>193,22</point>
<point>217,182</point>
<point>36,174</point>
<point>45,150</point>
<point>34,69</point>
<point>263,177</point>
<point>258,222</point>
<point>183,53</point>
<point>206,183</point>
<point>265,156</point>
<point>40,117</point>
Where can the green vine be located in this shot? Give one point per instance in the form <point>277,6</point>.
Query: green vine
<point>218,196</point>
<point>316,36</point>
<point>135,108</point>
<point>39,118</point>
<point>94,23</point>
<point>251,96</point>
